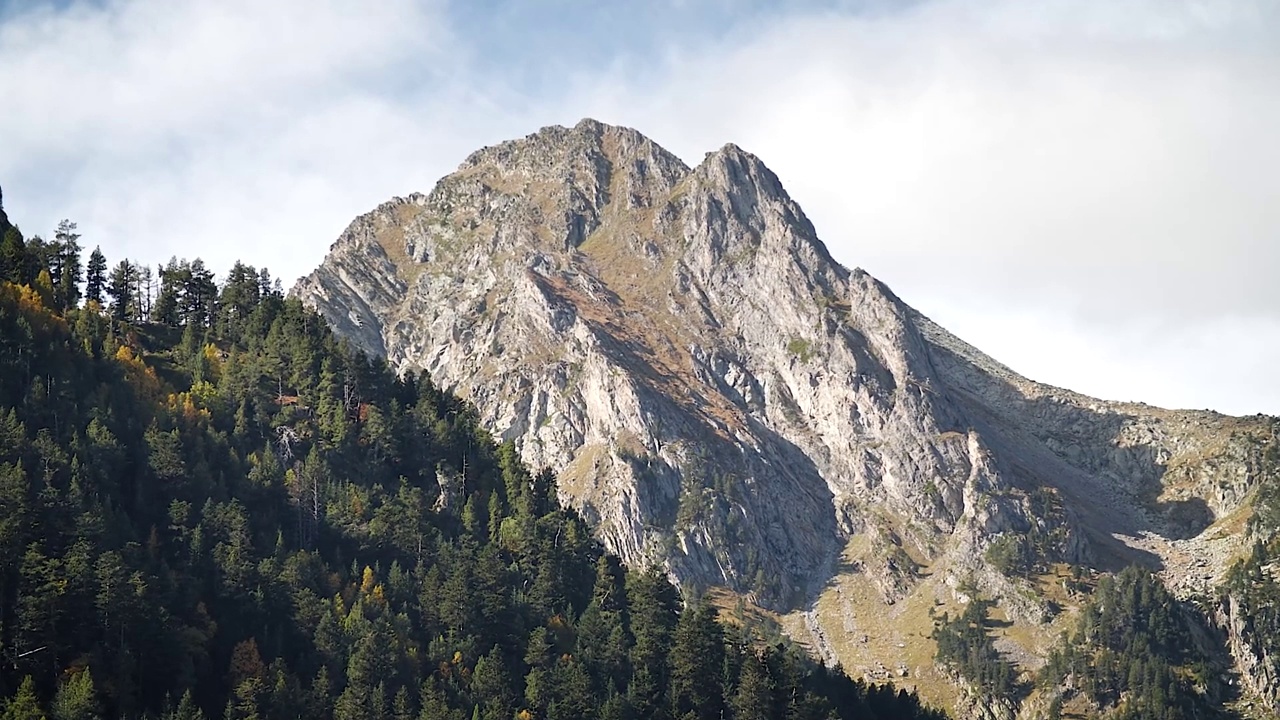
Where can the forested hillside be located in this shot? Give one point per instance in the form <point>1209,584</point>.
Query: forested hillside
<point>1134,652</point>
<point>210,507</point>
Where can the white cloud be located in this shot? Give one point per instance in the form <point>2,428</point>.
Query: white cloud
<point>233,129</point>
<point>1084,189</point>
<point>1106,169</point>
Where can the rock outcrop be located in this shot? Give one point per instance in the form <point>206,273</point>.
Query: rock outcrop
<point>717,394</point>
<point>1255,662</point>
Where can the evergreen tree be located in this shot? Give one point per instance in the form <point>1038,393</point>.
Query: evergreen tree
<point>697,662</point>
<point>145,291</point>
<point>76,698</point>
<point>654,611</point>
<point>186,709</point>
<point>16,263</point>
<point>199,295</point>
<point>754,697</point>
<point>493,687</point>
<point>965,646</point>
<point>240,294</point>
<point>25,705</point>
<point>121,287</point>
<point>166,310</point>
<point>95,276</point>
<point>69,273</point>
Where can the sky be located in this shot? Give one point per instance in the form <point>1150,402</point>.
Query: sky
<point>1085,189</point>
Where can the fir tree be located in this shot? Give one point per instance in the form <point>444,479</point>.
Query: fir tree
<point>121,287</point>
<point>25,705</point>
<point>95,276</point>
<point>69,272</point>
<point>76,698</point>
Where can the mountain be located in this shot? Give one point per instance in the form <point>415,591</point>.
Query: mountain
<point>223,510</point>
<point>717,394</point>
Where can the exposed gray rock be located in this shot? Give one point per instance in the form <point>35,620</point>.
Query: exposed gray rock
<point>717,394</point>
<point>975,704</point>
<point>1255,662</point>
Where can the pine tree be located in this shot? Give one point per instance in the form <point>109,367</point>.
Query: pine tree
<point>697,660</point>
<point>76,698</point>
<point>121,286</point>
<point>603,625</point>
<point>186,709</point>
<point>240,294</point>
<point>14,505</point>
<point>166,305</point>
<point>753,698</point>
<point>145,292</point>
<point>573,695</point>
<point>199,295</point>
<point>319,702</point>
<point>654,607</point>
<point>15,262</point>
<point>435,705</point>
<point>95,276</point>
<point>38,608</point>
<point>24,705</point>
<point>401,707</point>
<point>493,687</point>
<point>69,275</point>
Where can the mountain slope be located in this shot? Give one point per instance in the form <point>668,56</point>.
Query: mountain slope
<point>223,510</point>
<point>717,393</point>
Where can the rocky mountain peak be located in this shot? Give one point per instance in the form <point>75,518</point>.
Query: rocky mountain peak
<point>734,204</point>
<point>735,170</point>
<point>718,395</point>
<point>553,148</point>
<point>579,170</point>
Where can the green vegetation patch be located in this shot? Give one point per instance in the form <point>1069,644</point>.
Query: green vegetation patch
<point>800,348</point>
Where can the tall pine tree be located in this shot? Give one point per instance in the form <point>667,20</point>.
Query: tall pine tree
<point>67,280</point>
<point>95,276</point>
<point>122,288</point>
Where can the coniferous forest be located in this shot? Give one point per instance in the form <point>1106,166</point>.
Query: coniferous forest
<point>212,507</point>
<point>1133,652</point>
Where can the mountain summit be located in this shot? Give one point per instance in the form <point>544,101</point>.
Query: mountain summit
<point>717,394</point>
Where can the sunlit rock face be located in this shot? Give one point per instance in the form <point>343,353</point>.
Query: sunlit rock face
<point>717,394</point>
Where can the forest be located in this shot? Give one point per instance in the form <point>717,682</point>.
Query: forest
<point>965,646</point>
<point>1134,652</point>
<point>210,506</point>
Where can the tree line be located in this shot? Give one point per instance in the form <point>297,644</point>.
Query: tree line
<point>175,294</point>
<point>212,506</point>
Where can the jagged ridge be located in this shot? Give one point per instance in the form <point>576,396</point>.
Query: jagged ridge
<point>718,394</point>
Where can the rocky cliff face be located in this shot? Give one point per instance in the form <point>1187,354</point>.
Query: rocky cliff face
<point>716,393</point>
<point>1257,664</point>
